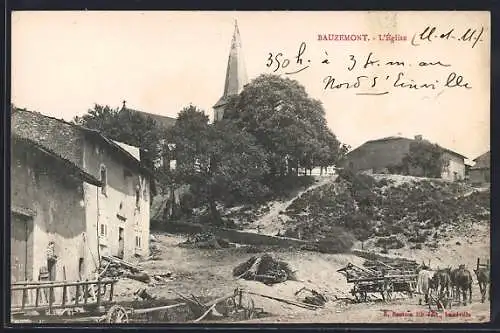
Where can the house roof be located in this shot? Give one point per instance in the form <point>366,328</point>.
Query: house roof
<point>388,138</point>
<point>394,138</point>
<point>60,136</point>
<point>163,121</point>
<point>134,151</point>
<point>70,166</point>
<point>482,161</point>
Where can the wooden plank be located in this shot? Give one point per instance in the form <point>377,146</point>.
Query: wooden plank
<point>56,283</point>
<point>141,311</point>
<point>60,284</point>
<point>287,301</point>
<point>122,262</point>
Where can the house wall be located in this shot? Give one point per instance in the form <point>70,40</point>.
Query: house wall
<point>455,170</point>
<point>479,176</point>
<point>56,202</point>
<point>116,207</point>
<point>377,156</point>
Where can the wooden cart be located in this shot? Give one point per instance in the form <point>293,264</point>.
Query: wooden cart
<point>380,279</point>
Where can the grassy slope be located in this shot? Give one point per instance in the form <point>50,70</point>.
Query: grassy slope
<point>395,209</point>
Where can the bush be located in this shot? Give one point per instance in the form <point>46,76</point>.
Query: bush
<point>418,239</point>
<point>391,242</point>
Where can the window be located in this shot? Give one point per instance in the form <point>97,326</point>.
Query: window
<point>103,230</point>
<point>104,179</point>
<point>138,242</point>
<point>138,197</point>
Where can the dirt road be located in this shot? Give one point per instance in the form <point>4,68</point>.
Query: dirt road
<point>208,274</point>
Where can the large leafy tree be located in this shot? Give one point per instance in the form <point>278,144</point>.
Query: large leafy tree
<point>286,122</point>
<point>125,126</point>
<point>219,162</point>
<point>426,157</point>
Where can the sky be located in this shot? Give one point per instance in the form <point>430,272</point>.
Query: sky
<point>160,62</point>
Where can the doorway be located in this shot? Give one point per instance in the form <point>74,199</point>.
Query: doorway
<point>19,253</point>
<point>121,243</point>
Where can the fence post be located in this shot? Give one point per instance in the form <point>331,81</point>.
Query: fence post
<point>64,295</point>
<point>37,296</point>
<point>51,299</point>
<point>85,292</point>
<point>77,294</point>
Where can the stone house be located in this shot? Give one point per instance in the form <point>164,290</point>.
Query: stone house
<point>480,172</point>
<point>386,154</point>
<point>47,205</point>
<point>105,212</point>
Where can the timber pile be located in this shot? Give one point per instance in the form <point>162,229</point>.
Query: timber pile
<point>265,269</point>
<point>206,240</point>
<point>112,267</point>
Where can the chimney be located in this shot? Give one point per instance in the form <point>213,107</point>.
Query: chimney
<point>418,137</point>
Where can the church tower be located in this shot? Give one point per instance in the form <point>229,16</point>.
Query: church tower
<point>236,75</point>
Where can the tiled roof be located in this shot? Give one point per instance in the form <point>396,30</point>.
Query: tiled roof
<point>54,134</point>
<point>62,137</point>
<point>70,166</point>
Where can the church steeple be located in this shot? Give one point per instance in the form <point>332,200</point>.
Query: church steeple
<point>236,75</point>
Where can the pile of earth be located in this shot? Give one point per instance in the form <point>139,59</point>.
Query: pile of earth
<point>366,207</point>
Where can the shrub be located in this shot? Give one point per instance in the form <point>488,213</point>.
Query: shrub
<point>391,242</point>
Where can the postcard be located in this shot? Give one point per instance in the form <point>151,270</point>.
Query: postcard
<point>250,167</point>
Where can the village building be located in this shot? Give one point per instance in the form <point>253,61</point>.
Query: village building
<point>480,172</point>
<point>47,207</point>
<point>87,197</point>
<point>236,75</point>
<point>386,156</point>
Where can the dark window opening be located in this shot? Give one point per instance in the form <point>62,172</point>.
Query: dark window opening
<point>137,197</point>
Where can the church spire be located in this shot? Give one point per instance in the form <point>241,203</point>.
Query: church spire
<point>236,75</point>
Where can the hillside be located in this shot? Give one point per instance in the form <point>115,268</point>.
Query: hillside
<point>391,211</point>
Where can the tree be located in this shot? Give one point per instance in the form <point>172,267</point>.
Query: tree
<point>426,157</point>
<point>220,163</point>
<point>125,126</point>
<point>286,122</point>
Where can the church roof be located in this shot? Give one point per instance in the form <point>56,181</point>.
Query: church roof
<point>163,121</point>
<point>236,75</point>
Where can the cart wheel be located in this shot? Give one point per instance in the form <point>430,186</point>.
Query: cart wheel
<point>116,315</point>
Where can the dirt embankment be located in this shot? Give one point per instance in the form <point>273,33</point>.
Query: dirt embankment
<point>390,211</point>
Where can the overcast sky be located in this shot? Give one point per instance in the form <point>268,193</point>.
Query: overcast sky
<point>159,62</point>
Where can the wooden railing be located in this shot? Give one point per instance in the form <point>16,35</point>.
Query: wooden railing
<point>94,292</point>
